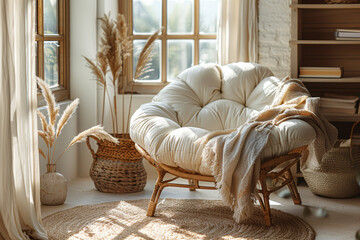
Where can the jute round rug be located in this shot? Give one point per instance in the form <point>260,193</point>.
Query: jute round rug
<point>174,219</point>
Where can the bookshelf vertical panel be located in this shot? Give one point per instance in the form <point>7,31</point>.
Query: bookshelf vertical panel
<point>294,47</point>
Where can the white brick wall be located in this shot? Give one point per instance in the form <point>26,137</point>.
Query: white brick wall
<point>274,35</point>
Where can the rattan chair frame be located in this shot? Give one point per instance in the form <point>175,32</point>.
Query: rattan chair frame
<point>282,178</point>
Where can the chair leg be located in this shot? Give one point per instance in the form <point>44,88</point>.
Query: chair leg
<point>293,189</point>
<point>266,201</point>
<point>192,182</point>
<point>156,194</point>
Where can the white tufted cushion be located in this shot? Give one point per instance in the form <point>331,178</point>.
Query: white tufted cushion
<point>208,98</point>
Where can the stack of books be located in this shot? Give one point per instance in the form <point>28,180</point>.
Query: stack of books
<point>347,34</point>
<point>339,104</point>
<point>321,72</point>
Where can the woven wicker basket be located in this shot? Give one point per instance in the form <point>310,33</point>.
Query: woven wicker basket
<point>336,176</point>
<point>341,1</point>
<point>117,168</point>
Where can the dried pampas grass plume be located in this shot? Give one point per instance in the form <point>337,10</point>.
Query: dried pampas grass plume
<point>97,131</point>
<point>51,134</point>
<point>96,71</point>
<point>53,111</point>
<point>124,38</point>
<point>44,136</point>
<point>143,64</point>
<point>67,114</point>
<point>42,120</point>
<point>110,39</point>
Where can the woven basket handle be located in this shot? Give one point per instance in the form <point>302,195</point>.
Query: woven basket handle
<point>355,139</point>
<point>89,146</point>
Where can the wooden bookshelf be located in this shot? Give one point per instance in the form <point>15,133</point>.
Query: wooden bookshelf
<point>313,44</point>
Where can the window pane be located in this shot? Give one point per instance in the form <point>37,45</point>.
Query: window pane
<point>51,62</point>
<point>51,16</point>
<point>179,57</point>
<point>147,16</point>
<point>207,51</point>
<point>208,16</point>
<point>180,16</point>
<point>154,75</point>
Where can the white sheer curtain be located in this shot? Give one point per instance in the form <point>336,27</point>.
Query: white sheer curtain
<point>20,215</point>
<point>238,31</point>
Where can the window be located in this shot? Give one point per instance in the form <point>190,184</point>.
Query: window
<point>52,45</point>
<point>188,37</point>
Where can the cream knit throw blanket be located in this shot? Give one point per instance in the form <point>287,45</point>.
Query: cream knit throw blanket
<point>233,155</point>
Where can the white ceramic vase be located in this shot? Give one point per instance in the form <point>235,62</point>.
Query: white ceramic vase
<point>53,187</point>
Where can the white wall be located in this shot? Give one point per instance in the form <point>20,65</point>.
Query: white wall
<point>83,42</point>
<point>274,35</point>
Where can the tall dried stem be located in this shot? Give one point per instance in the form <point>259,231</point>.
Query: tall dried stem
<point>99,70</point>
<point>143,66</point>
<point>103,65</point>
<point>126,47</point>
<point>110,39</point>
<point>118,45</point>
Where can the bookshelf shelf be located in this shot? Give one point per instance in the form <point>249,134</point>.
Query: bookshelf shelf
<point>343,117</point>
<point>331,80</point>
<point>342,42</point>
<point>325,6</point>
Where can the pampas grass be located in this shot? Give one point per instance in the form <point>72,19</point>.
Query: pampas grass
<point>96,131</point>
<point>50,134</point>
<point>143,66</point>
<point>50,101</point>
<point>68,112</point>
<point>115,47</point>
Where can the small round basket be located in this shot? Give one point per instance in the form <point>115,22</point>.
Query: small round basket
<point>336,175</point>
<point>342,1</point>
<point>117,168</point>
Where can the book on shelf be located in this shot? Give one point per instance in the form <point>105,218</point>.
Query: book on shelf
<point>347,34</point>
<point>337,105</point>
<point>333,97</point>
<point>332,103</point>
<point>321,72</point>
<point>348,38</point>
<point>333,111</point>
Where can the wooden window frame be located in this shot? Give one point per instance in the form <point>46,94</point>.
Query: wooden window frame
<point>62,91</point>
<point>125,7</point>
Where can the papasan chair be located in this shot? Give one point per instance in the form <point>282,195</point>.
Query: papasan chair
<point>205,99</point>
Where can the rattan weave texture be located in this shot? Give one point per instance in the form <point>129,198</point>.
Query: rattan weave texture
<point>336,175</point>
<point>117,168</point>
